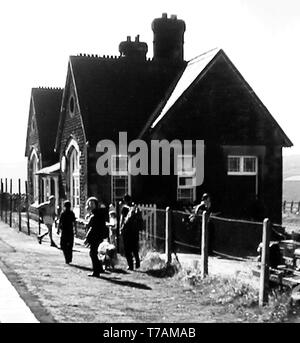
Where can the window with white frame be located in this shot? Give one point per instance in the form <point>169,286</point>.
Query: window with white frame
<point>186,178</point>
<point>120,177</point>
<point>242,165</point>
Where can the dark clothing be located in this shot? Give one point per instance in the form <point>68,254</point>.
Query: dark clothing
<point>131,248</point>
<point>66,225</point>
<point>97,231</point>
<point>96,263</point>
<point>66,244</point>
<point>96,226</point>
<point>130,233</point>
<point>66,222</point>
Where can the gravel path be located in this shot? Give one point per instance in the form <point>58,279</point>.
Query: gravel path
<point>63,293</point>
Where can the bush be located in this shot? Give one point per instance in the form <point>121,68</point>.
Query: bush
<point>238,297</point>
<point>154,265</point>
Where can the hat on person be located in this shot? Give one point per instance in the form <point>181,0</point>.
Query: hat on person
<point>127,198</point>
<point>205,196</point>
<point>67,203</point>
<point>111,209</point>
<point>96,201</point>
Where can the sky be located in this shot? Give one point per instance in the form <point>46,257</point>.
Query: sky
<point>261,38</point>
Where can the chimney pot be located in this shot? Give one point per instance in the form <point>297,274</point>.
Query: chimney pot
<point>128,39</point>
<point>137,38</point>
<point>174,16</point>
<point>164,15</point>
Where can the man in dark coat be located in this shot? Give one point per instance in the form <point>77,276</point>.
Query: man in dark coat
<point>67,224</point>
<point>96,232</point>
<point>131,224</point>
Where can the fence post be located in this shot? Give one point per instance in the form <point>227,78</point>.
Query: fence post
<point>204,245</point>
<point>155,227</point>
<point>284,204</point>
<point>298,210</point>
<point>118,225</point>
<point>151,224</point>
<point>292,205</point>
<point>168,235</point>
<point>264,269</point>
<point>19,207</point>
<point>10,202</point>
<point>5,200</point>
<point>27,207</point>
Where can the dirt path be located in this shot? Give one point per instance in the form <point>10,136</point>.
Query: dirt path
<point>67,295</point>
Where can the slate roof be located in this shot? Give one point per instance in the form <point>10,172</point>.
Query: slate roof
<point>47,104</point>
<point>194,71</point>
<point>118,94</point>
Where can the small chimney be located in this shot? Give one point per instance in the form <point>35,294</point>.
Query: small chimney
<point>134,50</point>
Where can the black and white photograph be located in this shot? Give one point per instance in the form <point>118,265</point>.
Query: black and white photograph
<point>149,164</point>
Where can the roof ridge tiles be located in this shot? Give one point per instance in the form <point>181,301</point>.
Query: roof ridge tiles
<point>108,57</point>
<point>48,88</point>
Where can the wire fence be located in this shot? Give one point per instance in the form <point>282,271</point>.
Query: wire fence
<point>227,237</point>
<point>291,207</point>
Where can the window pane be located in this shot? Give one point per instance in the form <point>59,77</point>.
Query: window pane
<point>188,163</point>
<point>122,163</point>
<point>119,163</point>
<point>119,187</point>
<point>185,194</point>
<point>233,164</point>
<point>250,164</point>
<point>185,181</point>
<point>185,163</point>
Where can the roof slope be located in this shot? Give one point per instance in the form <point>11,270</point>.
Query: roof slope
<point>193,69</point>
<point>47,104</point>
<point>193,73</point>
<point>117,94</point>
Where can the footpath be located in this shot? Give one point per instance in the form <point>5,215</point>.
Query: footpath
<point>37,286</point>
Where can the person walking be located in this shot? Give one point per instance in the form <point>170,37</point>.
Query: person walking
<point>67,225</point>
<point>112,225</point>
<point>96,232</point>
<point>131,223</point>
<point>48,212</point>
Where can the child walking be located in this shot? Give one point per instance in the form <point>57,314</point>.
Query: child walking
<point>67,225</point>
<point>48,212</point>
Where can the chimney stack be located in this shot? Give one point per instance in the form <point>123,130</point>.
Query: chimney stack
<point>134,50</point>
<point>168,39</point>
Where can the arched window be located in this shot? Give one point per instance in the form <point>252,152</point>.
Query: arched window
<point>34,178</point>
<point>74,175</point>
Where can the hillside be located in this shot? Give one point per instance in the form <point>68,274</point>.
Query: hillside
<point>291,170</point>
<point>291,178</point>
